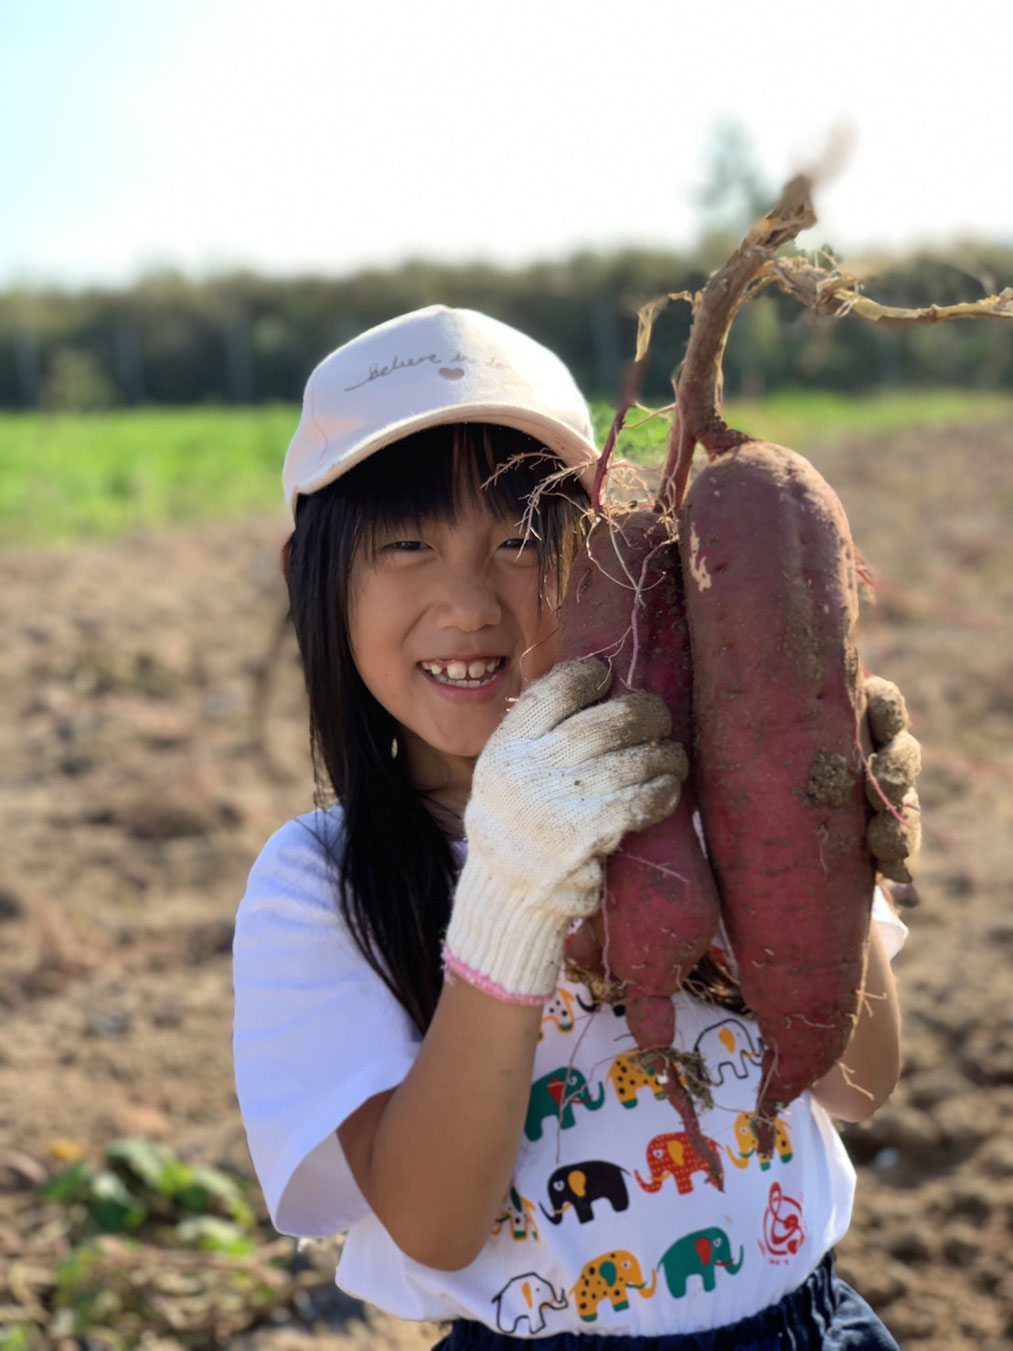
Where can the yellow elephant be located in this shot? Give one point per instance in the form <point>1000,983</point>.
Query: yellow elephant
<point>519,1215</point>
<point>628,1076</point>
<point>745,1138</point>
<point>559,1010</point>
<point>609,1277</point>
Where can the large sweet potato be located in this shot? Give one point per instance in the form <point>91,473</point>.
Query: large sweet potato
<point>778,701</point>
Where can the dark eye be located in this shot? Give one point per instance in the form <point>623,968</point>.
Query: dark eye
<point>404,546</point>
<point>520,544</point>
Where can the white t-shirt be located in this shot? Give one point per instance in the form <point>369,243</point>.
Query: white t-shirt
<point>611,1225</point>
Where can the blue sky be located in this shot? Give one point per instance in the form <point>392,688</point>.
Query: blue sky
<point>313,134</point>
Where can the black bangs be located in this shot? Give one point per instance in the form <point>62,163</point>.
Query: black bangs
<point>434,474</point>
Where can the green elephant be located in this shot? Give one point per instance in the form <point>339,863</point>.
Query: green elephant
<point>698,1254</point>
<point>554,1094</point>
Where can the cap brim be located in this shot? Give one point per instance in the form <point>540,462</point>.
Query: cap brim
<point>574,451</point>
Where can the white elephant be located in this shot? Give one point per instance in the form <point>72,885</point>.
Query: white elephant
<point>525,1297</point>
<point>728,1045</point>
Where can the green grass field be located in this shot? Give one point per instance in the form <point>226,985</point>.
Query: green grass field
<point>66,479</point>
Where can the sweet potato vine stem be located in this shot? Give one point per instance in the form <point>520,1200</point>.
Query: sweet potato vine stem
<point>698,381</point>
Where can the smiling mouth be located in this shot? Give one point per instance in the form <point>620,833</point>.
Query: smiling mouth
<point>464,674</point>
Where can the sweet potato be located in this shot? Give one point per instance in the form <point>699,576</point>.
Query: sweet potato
<point>625,603</point>
<point>771,600</point>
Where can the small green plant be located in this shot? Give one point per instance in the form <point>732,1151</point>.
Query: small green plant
<point>138,1242</point>
<point>142,1183</point>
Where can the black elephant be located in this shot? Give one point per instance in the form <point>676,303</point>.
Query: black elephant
<point>581,1184</point>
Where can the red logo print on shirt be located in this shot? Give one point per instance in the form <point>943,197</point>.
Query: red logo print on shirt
<point>782,1225</point>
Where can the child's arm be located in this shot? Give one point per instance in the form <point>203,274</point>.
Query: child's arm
<point>434,1157</point>
<point>558,785</point>
<point>866,1074</point>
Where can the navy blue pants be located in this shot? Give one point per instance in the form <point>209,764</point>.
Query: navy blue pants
<point>823,1312</point>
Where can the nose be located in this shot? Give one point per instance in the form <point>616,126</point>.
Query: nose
<point>469,601</point>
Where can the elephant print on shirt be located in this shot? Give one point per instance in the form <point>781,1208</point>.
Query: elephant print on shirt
<point>519,1214</point>
<point>673,1155</point>
<point>697,1254</point>
<point>554,1095</point>
<point>577,1186</point>
<point>559,1010</point>
<point>609,1277</point>
<point>628,1076</point>
<point>745,1138</point>
<point>728,1045</point>
<point>524,1297</point>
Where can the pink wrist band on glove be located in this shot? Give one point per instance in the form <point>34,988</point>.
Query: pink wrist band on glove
<point>454,967</point>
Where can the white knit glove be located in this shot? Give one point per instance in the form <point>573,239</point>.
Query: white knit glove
<point>558,785</point>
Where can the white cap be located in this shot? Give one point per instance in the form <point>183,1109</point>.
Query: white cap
<point>432,366</point>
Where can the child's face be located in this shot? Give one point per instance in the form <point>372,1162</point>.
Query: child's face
<point>446,628</point>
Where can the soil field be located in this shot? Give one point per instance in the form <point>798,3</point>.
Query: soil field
<point>139,782</point>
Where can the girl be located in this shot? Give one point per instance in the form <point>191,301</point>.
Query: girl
<point>413,1066</point>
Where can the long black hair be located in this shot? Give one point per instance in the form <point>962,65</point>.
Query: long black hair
<point>394,867</point>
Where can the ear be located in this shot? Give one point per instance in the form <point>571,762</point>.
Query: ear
<point>578,1182</point>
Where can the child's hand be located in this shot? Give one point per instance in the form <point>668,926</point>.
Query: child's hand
<point>894,833</point>
<point>558,785</point>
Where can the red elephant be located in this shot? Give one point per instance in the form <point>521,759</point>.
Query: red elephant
<point>672,1154</point>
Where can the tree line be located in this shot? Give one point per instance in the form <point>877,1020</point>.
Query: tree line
<point>244,338</point>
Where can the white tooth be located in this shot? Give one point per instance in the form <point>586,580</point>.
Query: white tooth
<point>476,670</point>
<point>491,666</point>
<point>434,668</point>
<point>457,670</point>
